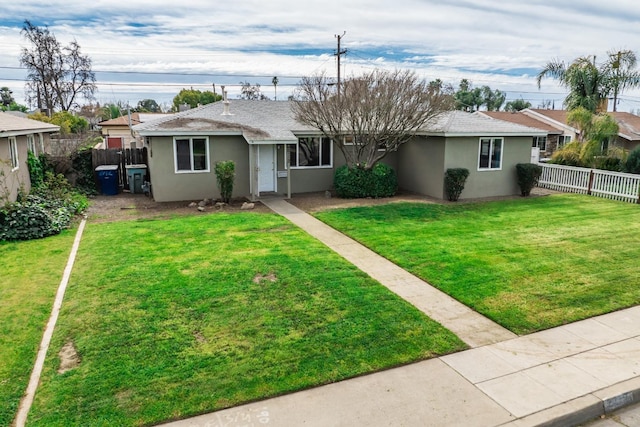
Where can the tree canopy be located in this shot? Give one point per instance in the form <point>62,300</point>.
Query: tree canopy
<point>252,91</point>
<point>517,105</point>
<point>56,75</point>
<point>372,114</point>
<point>472,99</point>
<point>193,98</point>
<point>591,84</point>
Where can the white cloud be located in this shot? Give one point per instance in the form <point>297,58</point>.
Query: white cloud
<point>488,42</point>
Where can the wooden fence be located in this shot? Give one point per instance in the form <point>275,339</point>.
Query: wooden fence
<point>121,157</point>
<point>595,182</point>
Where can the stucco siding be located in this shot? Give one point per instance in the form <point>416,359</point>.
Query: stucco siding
<point>167,185</point>
<point>11,181</point>
<point>463,152</point>
<point>421,168</point>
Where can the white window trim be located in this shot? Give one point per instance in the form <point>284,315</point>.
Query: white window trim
<point>536,139</point>
<point>31,144</point>
<point>13,153</point>
<point>41,142</point>
<point>491,150</point>
<point>329,166</point>
<point>175,154</point>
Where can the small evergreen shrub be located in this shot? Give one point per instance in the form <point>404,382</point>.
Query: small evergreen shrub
<point>225,174</point>
<point>36,171</point>
<point>632,164</point>
<point>567,156</point>
<point>528,176</point>
<point>354,183</point>
<point>454,180</point>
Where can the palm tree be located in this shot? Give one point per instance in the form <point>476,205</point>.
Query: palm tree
<point>591,85</point>
<point>587,84</point>
<point>620,69</point>
<point>275,82</point>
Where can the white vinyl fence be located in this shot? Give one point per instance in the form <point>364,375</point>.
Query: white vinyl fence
<point>596,182</point>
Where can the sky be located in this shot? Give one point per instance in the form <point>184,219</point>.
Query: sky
<point>148,49</point>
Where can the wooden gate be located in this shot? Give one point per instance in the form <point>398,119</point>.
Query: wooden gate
<point>122,158</point>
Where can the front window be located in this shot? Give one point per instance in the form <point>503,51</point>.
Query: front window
<point>40,142</point>
<point>563,140</point>
<point>540,142</point>
<point>490,156</point>
<point>191,154</point>
<point>311,152</point>
<point>13,153</point>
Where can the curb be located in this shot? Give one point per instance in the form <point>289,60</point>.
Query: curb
<point>584,409</point>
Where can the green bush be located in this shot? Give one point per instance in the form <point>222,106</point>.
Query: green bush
<point>454,180</point>
<point>225,174</point>
<point>46,211</point>
<point>632,164</point>
<point>568,156</point>
<point>33,217</point>
<point>528,176</point>
<point>36,171</point>
<point>608,163</point>
<point>353,183</point>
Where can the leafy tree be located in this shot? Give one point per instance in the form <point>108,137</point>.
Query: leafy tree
<point>56,75</point>
<point>472,99</point>
<point>517,105</point>
<point>591,84</point>
<point>6,96</point>
<point>193,98</point>
<point>112,111</point>
<point>377,111</point>
<point>68,122</point>
<point>252,92</point>
<point>148,106</point>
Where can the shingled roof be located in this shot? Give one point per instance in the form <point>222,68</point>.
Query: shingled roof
<point>11,125</point>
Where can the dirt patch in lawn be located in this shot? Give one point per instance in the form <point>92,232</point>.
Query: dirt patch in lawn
<point>127,206</point>
<point>69,358</point>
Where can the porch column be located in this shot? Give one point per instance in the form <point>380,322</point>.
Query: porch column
<point>288,168</point>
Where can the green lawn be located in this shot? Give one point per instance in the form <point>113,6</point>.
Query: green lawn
<point>31,273</point>
<point>177,317</point>
<point>528,264</point>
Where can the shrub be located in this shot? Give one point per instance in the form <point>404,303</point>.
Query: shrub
<point>46,211</point>
<point>225,174</point>
<point>33,217</point>
<point>568,156</point>
<point>36,171</point>
<point>353,183</point>
<point>454,180</point>
<point>632,164</point>
<point>528,176</point>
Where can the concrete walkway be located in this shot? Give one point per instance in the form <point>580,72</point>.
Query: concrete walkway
<point>559,377</point>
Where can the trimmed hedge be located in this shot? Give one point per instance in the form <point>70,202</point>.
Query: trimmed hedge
<point>454,180</point>
<point>353,183</point>
<point>34,217</point>
<point>633,161</point>
<point>528,176</point>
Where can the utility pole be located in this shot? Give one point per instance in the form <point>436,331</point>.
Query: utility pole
<point>338,54</point>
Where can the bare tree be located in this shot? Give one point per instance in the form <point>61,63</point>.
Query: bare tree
<point>251,92</point>
<point>57,75</point>
<point>374,114</point>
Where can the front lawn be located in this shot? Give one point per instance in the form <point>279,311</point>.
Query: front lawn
<point>31,273</point>
<point>528,264</point>
<point>178,317</point>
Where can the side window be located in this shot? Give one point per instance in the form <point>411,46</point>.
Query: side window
<point>490,154</point>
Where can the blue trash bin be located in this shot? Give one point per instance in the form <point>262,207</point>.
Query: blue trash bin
<point>108,179</point>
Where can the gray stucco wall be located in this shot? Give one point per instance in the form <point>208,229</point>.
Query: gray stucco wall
<point>167,185</point>
<point>12,181</point>
<point>421,167</point>
<point>463,152</point>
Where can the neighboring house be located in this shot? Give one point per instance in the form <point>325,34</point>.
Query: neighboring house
<point>19,135</point>
<point>117,133</point>
<point>559,132</point>
<point>274,153</point>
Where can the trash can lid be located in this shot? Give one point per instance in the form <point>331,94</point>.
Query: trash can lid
<point>107,168</point>
<point>140,166</point>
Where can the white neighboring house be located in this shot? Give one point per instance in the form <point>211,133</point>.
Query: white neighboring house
<point>18,135</point>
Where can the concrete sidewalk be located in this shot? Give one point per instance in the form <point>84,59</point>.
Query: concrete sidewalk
<point>558,377</point>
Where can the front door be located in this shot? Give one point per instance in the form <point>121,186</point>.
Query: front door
<point>266,168</point>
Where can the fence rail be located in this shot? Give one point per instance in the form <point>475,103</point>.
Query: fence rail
<point>595,182</point>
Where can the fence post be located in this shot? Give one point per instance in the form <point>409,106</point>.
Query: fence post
<point>591,174</point>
